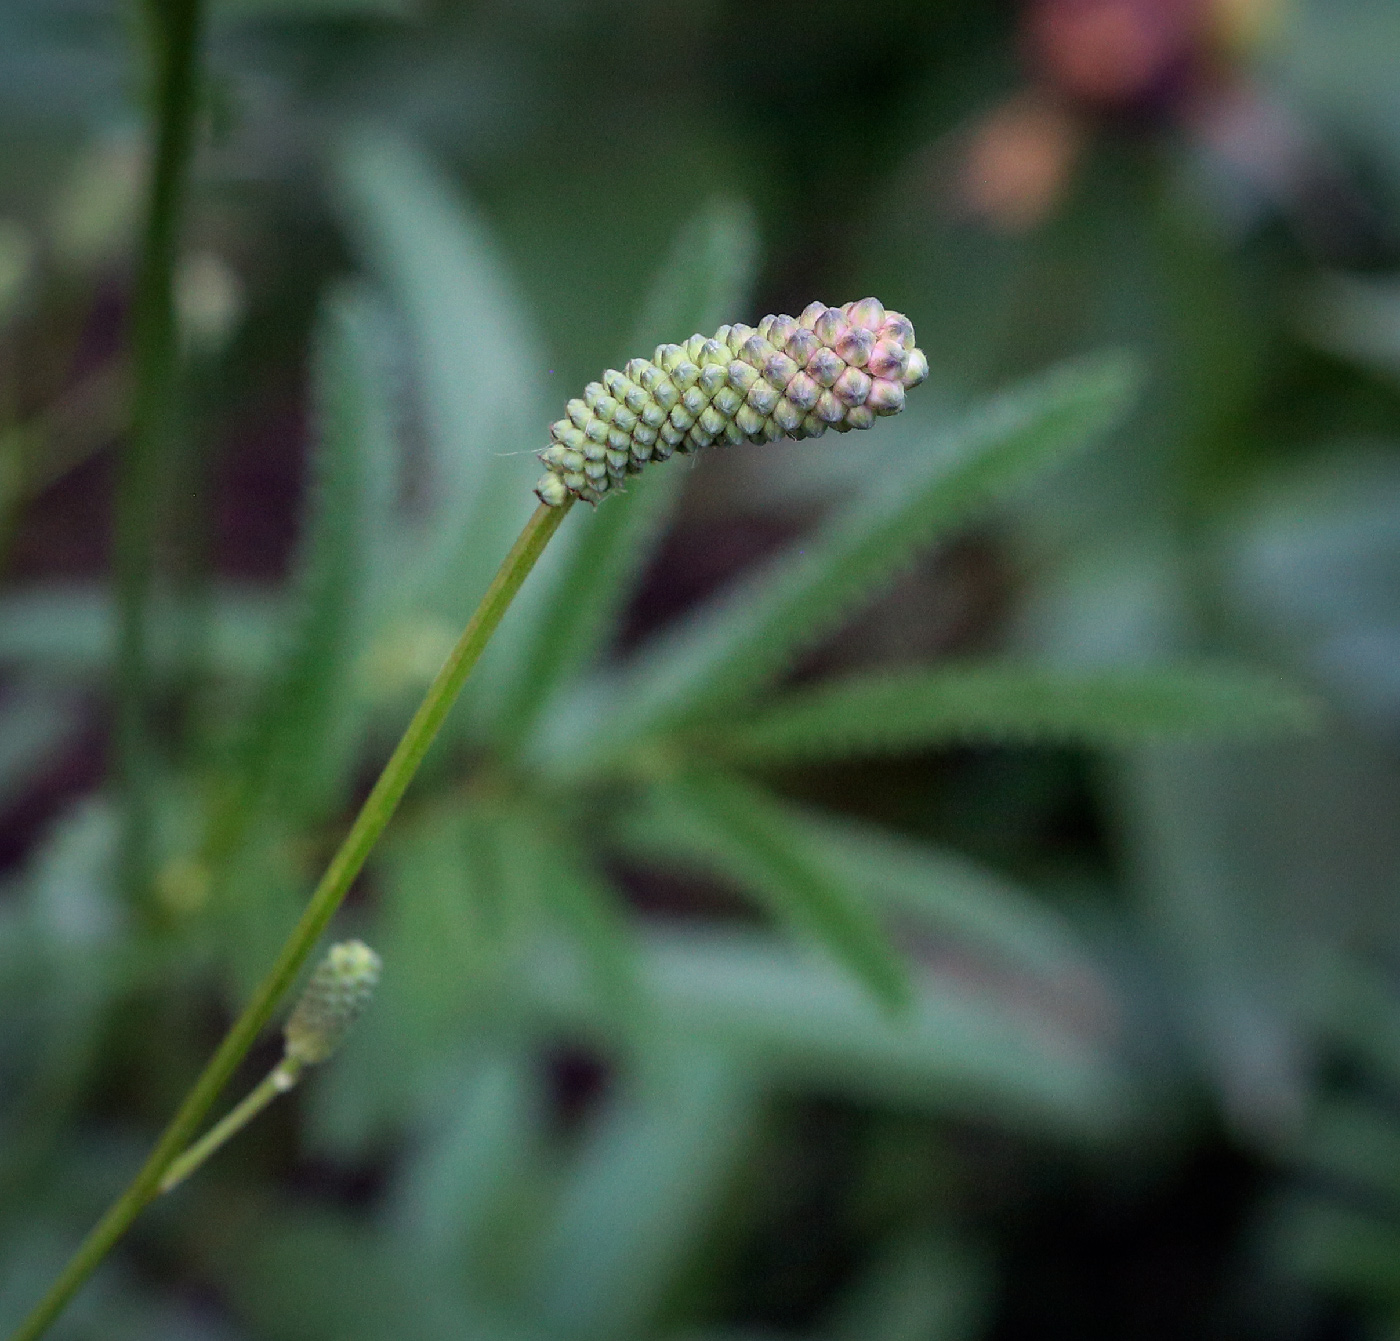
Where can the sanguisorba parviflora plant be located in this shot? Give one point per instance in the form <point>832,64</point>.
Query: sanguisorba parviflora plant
<point>832,367</point>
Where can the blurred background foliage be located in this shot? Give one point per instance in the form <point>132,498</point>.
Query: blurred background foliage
<point>873,889</point>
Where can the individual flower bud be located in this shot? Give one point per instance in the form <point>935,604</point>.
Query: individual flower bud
<point>335,994</point>
<point>830,368</point>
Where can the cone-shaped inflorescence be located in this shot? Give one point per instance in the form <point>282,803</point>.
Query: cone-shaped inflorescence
<point>832,367</point>
<point>335,995</point>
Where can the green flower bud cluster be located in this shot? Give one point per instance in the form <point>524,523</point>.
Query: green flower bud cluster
<point>335,994</point>
<point>832,367</point>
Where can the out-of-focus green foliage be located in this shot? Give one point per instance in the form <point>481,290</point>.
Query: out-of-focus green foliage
<point>973,946</point>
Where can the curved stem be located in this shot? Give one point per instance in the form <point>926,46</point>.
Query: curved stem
<point>277,1081</point>
<point>379,806</point>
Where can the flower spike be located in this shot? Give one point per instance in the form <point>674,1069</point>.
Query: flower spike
<point>832,367</point>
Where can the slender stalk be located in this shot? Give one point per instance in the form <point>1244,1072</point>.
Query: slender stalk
<point>376,812</point>
<point>277,1081</point>
<point>175,32</point>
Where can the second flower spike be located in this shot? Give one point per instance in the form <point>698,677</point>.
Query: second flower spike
<point>792,377</point>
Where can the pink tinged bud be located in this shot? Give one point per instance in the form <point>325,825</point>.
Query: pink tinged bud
<point>888,359</point>
<point>739,334</point>
<point>852,387</point>
<point>579,413</point>
<point>712,377</point>
<point>801,345</point>
<point>778,370</point>
<point>885,397</point>
<point>802,391</point>
<point>917,370</point>
<point>694,401</point>
<point>855,346</point>
<point>741,376</point>
<point>786,415</point>
<point>810,315</point>
<point>756,351</point>
<point>869,313</point>
<point>831,326</point>
<point>762,397</point>
<point>897,327</point>
<point>712,421</point>
<point>781,331</point>
<point>749,420</point>
<point>861,416</point>
<point>825,366</point>
<point>829,409</point>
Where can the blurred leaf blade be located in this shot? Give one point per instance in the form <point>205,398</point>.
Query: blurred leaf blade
<point>886,712</point>
<point>737,832</point>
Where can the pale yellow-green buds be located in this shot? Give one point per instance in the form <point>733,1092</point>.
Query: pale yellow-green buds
<point>832,367</point>
<point>335,994</point>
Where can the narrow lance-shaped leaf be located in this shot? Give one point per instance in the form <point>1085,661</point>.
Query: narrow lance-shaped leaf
<point>479,363</point>
<point>706,278</point>
<point>650,1172</point>
<point>887,712</point>
<point>735,831</point>
<point>298,740</point>
<point>743,638</point>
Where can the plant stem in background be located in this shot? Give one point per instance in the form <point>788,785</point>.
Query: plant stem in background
<point>376,812</point>
<point>175,27</point>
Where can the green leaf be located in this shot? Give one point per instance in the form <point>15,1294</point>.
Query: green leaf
<point>480,368</point>
<point>887,712</point>
<point>66,630</point>
<point>746,837</point>
<point>979,1045</point>
<point>933,891</point>
<point>543,869</point>
<point>649,1175</point>
<point>300,740</point>
<point>704,282</point>
<point>742,639</point>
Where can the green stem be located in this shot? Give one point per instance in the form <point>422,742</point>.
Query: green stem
<point>379,806</point>
<point>176,26</point>
<point>277,1081</point>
